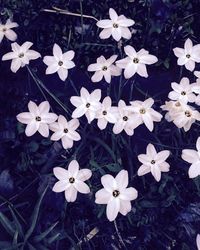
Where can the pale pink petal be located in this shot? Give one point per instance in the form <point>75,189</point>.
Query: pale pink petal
<point>112,209</point>
<point>143,170</point>
<point>122,179</point>
<point>11,35</point>
<point>82,187</point>
<point>106,23</point>
<point>63,73</point>
<point>71,194</point>
<point>43,129</point>
<point>125,207</point>
<point>31,128</point>
<point>113,14</point>
<point>61,186</point>
<point>190,155</point>
<point>102,196</point>
<point>151,151</point>
<point>108,182</point>
<point>73,168</point>
<point>84,174</point>
<point>155,170</point>
<point>25,117</point>
<point>105,33</point>
<point>129,194</point>
<point>116,34</point>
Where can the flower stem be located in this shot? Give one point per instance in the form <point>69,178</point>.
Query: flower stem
<point>119,235</point>
<point>40,84</point>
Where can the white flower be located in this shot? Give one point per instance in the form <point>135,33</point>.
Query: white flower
<point>20,55</point>
<point>125,120</point>
<point>65,131</point>
<point>197,74</point>
<point>116,26</point>
<point>172,107</point>
<point>116,194</point>
<point>135,62</point>
<point>198,241</point>
<point>189,55</point>
<point>87,104</point>
<point>183,91</point>
<point>37,119</point>
<point>6,30</point>
<point>59,62</point>
<point>144,113</point>
<point>192,156</point>
<point>185,117</point>
<point>104,68</point>
<point>72,180</point>
<point>106,113</point>
<point>153,162</point>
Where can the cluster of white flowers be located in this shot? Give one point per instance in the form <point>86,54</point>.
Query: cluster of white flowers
<point>178,110</point>
<point>115,192</point>
<point>123,117</point>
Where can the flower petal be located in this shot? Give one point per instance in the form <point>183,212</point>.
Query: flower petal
<point>71,194</point>
<point>102,196</point>
<point>112,209</point>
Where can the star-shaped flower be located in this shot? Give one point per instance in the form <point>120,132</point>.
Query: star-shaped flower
<point>60,62</point>
<point>183,91</point>
<point>86,104</point>
<point>188,55</point>
<point>193,156</point>
<point>116,194</point>
<point>125,120</point>
<point>153,162</point>
<point>65,131</point>
<point>72,181</point>
<point>20,55</point>
<point>6,30</point>
<point>106,113</point>
<point>116,26</point>
<point>37,119</point>
<point>185,117</point>
<point>104,68</point>
<point>144,113</point>
<point>135,62</point>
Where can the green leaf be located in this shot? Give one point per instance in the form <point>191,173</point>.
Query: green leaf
<point>35,216</point>
<point>40,237</point>
<point>17,223</point>
<point>7,224</point>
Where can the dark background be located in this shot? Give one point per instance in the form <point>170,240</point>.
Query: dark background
<point>166,215</point>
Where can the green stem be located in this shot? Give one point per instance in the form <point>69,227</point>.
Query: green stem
<point>40,84</point>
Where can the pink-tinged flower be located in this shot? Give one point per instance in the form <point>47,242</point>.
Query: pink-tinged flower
<point>37,119</point>
<point>153,162</point>
<point>183,91</point>
<point>116,26</point>
<point>104,68</point>
<point>72,181</point>
<point>193,156</point>
<point>125,120</point>
<point>6,30</point>
<point>65,131</point>
<point>20,55</point>
<point>86,104</point>
<point>144,113</point>
<point>116,194</point>
<point>60,62</point>
<point>135,62</point>
<point>188,55</point>
<point>106,113</point>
